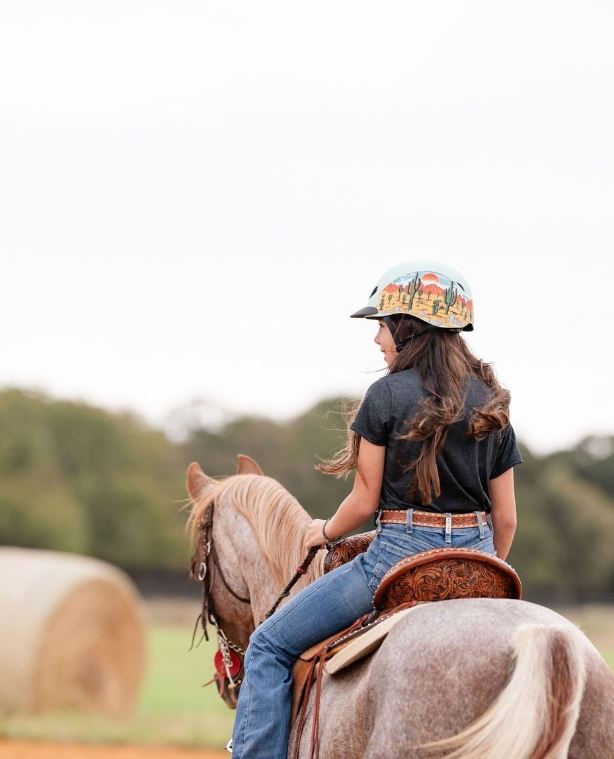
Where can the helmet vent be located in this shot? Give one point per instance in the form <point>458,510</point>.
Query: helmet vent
<point>374,291</point>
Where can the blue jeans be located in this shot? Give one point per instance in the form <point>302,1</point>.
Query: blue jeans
<point>327,605</point>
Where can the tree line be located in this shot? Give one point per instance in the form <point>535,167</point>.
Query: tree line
<point>78,478</point>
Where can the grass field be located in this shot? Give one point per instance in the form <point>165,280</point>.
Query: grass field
<point>175,710</point>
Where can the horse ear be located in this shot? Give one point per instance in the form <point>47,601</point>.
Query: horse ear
<point>247,465</point>
<point>196,480</point>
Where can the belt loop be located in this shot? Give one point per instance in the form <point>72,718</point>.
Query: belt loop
<point>448,538</point>
<point>378,524</point>
<point>479,516</point>
<point>409,521</point>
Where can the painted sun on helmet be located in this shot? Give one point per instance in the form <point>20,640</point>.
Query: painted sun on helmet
<point>429,290</point>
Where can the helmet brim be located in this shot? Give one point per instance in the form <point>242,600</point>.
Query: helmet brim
<point>366,311</point>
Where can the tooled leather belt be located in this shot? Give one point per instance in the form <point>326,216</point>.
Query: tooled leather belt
<point>428,519</point>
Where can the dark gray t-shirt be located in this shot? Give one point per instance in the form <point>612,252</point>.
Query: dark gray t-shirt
<point>465,465</point>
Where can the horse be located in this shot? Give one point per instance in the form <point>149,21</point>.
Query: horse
<point>483,678</point>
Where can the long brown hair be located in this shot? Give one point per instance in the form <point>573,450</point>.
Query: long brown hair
<point>444,363</point>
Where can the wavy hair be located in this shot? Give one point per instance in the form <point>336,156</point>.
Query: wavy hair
<point>444,364</point>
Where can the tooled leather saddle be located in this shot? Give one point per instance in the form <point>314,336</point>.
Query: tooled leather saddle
<point>435,575</point>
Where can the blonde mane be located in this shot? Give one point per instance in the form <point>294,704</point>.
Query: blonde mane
<point>276,517</point>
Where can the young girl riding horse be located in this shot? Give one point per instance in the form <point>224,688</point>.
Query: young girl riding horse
<point>434,453</point>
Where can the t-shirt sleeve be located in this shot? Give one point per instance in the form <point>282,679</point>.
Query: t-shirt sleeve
<point>508,454</point>
<point>372,420</point>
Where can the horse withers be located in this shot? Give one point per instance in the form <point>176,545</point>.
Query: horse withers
<point>473,677</point>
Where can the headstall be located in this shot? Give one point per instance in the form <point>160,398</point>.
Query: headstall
<point>228,659</point>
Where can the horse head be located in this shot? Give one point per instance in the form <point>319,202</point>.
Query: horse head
<point>225,605</point>
<point>247,534</point>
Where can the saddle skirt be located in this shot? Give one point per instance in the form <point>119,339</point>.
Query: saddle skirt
<point>342,649</point>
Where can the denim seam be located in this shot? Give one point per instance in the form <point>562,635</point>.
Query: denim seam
<point>245,721</point>
<point>403,552</point>
<point>377,568</point>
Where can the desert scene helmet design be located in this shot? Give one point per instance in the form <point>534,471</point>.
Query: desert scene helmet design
<point>430,290</point>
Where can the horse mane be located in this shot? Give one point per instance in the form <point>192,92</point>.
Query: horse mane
<point>276,517</point>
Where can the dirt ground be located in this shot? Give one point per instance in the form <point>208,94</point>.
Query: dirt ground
<point>35,750</point>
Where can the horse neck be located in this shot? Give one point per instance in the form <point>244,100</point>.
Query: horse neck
<point>249,568</point>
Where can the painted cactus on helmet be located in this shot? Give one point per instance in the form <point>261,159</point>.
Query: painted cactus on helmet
<point>412,289</point>
<point>450,297</point>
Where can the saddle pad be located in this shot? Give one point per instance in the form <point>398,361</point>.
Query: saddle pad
<point>364,643</point>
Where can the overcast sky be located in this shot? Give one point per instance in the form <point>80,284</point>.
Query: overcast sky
<point>194,196</point>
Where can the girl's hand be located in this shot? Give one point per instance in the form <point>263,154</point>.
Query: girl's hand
<point>313,534</point>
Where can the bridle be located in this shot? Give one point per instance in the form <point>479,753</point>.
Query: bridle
<point>229,658</point>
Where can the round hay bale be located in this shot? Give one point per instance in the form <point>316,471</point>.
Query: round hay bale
<point>72,634</point>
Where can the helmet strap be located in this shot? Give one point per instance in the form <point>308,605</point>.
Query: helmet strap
<point>400,344</point>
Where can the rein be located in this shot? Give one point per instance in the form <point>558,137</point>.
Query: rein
<point>300,570</point>
<point>228,660</point>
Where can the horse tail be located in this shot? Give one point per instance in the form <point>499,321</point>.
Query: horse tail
<point>535,715</point>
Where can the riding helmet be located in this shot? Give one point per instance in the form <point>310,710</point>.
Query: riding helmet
<point>430,290</point>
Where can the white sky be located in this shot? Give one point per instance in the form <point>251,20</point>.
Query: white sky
<point>194,196</point>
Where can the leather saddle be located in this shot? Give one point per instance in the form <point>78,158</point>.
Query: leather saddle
<point>435,575</point>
